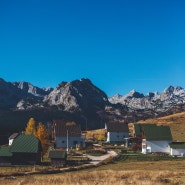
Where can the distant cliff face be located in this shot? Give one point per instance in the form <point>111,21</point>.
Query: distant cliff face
<point>30,90</point>
<point>9,95</point>
<point>77,95</point>
<point>16,94</point>
<point>154,101</point>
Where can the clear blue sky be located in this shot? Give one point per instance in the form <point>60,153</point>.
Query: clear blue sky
<point>120,45</point>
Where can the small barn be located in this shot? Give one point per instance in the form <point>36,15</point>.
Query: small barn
<point>26,149</point>
<point>116,132</point>
<point>5,156</point>
<point>58,157</point>
<point>177,148</point>
<point>67,134</point>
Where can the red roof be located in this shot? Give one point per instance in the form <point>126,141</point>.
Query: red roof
<point>117,127</point>
<point>61,128</point>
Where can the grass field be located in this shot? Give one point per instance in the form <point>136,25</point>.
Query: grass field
<point>95,134</point>
<point>132,173</point>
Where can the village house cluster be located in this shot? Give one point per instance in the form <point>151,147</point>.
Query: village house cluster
<point>26,149</point>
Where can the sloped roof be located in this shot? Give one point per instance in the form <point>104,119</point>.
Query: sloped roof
<point>139,128</point>
<point>178,145</point>
<point>26,144</point>
<point>62,127</point>
<point>116,127</point>
<point>14,135</point>
<point>57,154</point>
<point>158,133</point>
<point>5,151</point>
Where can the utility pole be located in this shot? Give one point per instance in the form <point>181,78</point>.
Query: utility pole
<point>67,149</point>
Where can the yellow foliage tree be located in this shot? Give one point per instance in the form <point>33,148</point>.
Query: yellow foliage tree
<point>100,137</point>
<point>43,136</point>
<point>31,128</point>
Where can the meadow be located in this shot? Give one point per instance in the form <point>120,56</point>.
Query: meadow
<point>133,173</point>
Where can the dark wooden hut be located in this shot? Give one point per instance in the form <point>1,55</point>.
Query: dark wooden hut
<point>58,157</point>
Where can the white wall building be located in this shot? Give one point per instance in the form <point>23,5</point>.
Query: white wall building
<point>155,146</point>
<point>156,139</point>
<point>67,134</point>
<point>116,132</point>
<point>177,149</point>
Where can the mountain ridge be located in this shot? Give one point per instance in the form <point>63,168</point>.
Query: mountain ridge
<point>172,95</point>
<point>83,94</point>
<point>83,97</point>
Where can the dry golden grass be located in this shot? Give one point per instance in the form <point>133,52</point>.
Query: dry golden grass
<point>94,134</point>
<point>145,173</point>
<point>176,122</point>
<point>108,177</point>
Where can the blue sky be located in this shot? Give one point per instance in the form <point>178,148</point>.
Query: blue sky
<point>120,45</point>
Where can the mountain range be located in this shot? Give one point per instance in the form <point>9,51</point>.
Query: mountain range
<point>82,100</point>
<point>82,95</point>
<point>158,102</point>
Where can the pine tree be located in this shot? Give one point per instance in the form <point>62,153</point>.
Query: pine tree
<point>31,128</point>
<point>43,136</point>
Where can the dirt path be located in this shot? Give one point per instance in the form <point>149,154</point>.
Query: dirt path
<point>97,159</point>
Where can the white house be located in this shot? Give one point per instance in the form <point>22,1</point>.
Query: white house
<point>116,132</point>
<point>177,148</point>
<point>67,134</point>
<point>156,139</point>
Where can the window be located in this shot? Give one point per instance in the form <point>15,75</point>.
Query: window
<point>63,141</point>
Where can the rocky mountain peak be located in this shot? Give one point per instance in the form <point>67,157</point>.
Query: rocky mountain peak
<point>135,94</point>
<point>173,89</point>
<point>2,80</point>
<point>76,95</point>
<point>30,90</point>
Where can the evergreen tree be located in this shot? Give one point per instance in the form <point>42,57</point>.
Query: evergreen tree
<point>31,128</point>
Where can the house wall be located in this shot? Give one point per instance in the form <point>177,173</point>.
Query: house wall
<point>61,142</point>
<point>116,136</point>
<point>178,152</point>
<point>155,146</point>
<point>10,141</point>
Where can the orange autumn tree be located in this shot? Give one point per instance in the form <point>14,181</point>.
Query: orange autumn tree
<point>31,128</point>
<point>40,132</point>
<point>43,135</point>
